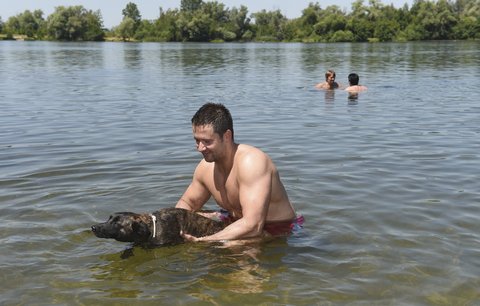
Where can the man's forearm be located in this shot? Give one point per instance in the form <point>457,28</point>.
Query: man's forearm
<point>239,229</point>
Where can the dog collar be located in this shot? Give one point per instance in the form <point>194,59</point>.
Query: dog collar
<point>154,219</point>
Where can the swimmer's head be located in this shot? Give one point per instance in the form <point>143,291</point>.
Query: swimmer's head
<point>353,79</point>
<point>330,75</point>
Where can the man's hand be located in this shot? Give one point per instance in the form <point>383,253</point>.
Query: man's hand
<point>190,238</point>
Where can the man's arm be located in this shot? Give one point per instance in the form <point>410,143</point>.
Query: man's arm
<point>196,194</point>
<point>255,183</point>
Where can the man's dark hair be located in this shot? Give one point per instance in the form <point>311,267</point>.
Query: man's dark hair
<point>215,114</point>
<point>353,79</point>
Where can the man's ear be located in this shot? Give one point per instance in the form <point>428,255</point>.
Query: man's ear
<point>227,136</point>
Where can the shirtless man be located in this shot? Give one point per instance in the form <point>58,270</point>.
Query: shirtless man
<point>353,79</point>
<point>329,81</point>
<point>242,179</point>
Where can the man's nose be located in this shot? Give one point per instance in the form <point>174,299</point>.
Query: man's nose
<point>200,147</point>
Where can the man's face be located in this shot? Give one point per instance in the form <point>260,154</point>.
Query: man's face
<point>209,143</point>
<point>331,80</point>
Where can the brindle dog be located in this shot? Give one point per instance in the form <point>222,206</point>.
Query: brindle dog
<point>159,228</point>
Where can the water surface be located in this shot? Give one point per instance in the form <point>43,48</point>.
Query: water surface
<point>387,181</point>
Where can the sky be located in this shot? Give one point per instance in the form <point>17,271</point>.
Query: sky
<point>149,9</point>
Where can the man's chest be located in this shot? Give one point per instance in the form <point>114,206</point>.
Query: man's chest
<point>225,191</point>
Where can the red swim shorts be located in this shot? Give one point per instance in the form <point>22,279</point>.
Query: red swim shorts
<point>280,228</point>
<point>284,227</point>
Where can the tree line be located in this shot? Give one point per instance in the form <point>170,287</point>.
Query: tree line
<point>210,21</point>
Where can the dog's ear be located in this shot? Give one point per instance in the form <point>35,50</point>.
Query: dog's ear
<point>141,230</point>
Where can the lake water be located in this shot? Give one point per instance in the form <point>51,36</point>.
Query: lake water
<point>388,181</point>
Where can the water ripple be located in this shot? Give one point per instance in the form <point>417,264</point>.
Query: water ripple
<point>387,180</point>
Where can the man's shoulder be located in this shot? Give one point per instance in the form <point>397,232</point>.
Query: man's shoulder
<point>356,88</point>
<point>245,150</point>
<point>250,157</point>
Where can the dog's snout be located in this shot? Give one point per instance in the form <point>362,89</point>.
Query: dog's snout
<point>94,228</point>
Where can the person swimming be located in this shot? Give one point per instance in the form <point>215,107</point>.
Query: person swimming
<point>353,80</point>
<point>329,81</point>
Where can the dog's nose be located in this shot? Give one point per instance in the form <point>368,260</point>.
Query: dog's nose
<point>94,229</point>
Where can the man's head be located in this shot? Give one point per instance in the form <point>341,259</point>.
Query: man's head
<point>330,76</point>
<point>353,79</point>
<point>212,128</point>
<point>215,114</point>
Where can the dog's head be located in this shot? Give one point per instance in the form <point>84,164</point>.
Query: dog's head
<point>126,227</point>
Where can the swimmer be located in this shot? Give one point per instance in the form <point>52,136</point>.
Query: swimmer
<point>353,79</point>
<point>329,81</point>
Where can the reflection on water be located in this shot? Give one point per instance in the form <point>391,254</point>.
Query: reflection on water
<point>329,96</point>
<point>133,57</point>
<point>208,272</point>
<point>353,98</point>
<point>387,179</point>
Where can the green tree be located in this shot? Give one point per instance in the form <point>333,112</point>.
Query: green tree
<point>468,27</point>
<point>94,26</point>
<point>269,26</point>
<point>374,9</point>
<point>41,22</point>
<point>197,20</point>
<point>445,20</point>
<point>190,6</point>
<point>341,36</point>
<point>26,23</point>
<point>466,8</point>
<point>198,28</point>
<point>209,21</point>
<point>126,29</point>
<point>131,11</point>
<point>216,17</point>
<point>311,14</point>
<point>305,23</point>
<point>239,22</point>
<point>433,20</point>
<point>145,31</point>
<point>358,22</point>
<point>12,26</point>
<point>331,21</point>
<point>386,29</point>
<point>74,23</point>
<point>165,27</point>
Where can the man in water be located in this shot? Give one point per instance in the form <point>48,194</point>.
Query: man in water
<point>353,80</point>
<point>329,81</point>
<point>242,179</point>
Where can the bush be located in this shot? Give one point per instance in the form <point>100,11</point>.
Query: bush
<point>342,36</point>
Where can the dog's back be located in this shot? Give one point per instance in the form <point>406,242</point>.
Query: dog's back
<point>198,225</point>
<point>172,221</point>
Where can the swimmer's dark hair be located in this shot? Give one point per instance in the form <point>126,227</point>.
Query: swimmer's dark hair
<point>353,79</point>
<point>215,114</point>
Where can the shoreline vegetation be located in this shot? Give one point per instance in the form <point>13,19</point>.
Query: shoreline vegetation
<point>212,21</point>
